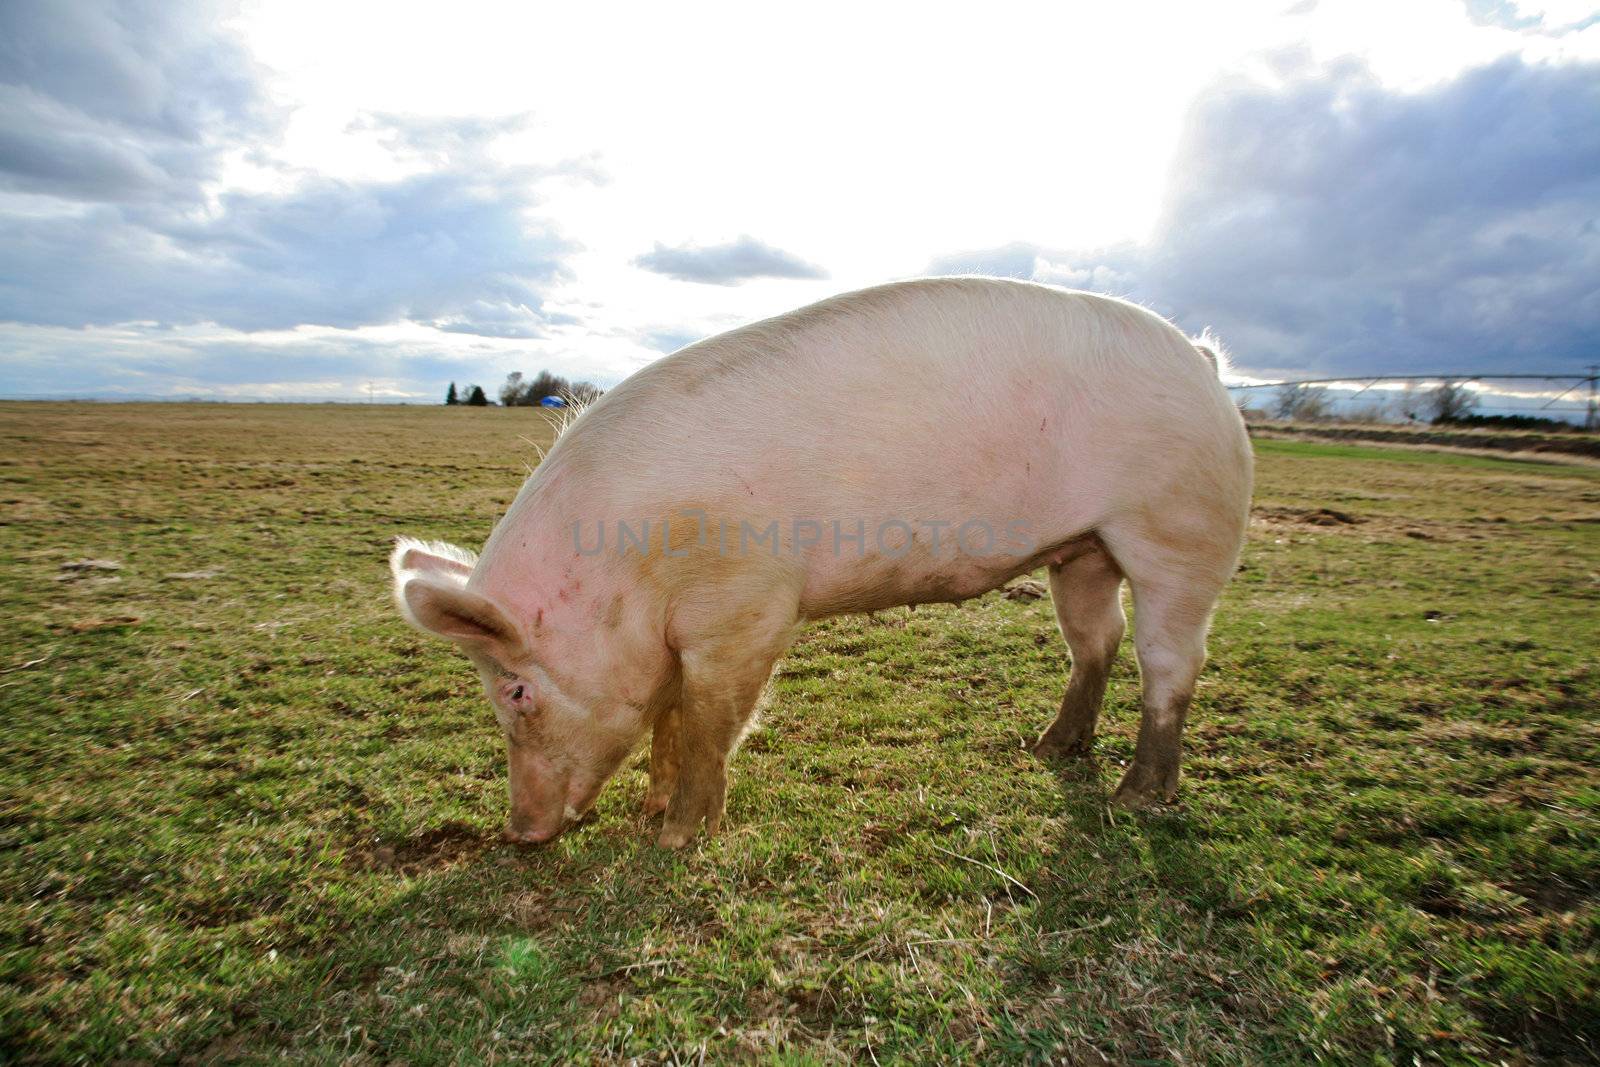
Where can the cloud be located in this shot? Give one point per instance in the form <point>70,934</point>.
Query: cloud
<point>485,319</point>
<point>117,120</point>
<point>1016,260</point>
<point>1530,18</point>
<point>1331,225</point>
<point>726,264</point>
<point>437,246</point>
<point>137,101</point>
<point>398,362</point>
<point>439,139</point>
<point>151,361</point>
<point>464,140</point>
<point>669,339</point>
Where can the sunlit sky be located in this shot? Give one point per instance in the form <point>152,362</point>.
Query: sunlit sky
<point>320,199</point>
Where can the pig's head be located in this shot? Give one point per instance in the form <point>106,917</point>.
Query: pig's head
<point>565,736</point>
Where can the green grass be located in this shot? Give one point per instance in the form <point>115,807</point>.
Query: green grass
<point>1280,447</point>
<point>248,815</point>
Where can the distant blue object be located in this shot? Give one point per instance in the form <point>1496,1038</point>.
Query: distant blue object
<point>552,402</point>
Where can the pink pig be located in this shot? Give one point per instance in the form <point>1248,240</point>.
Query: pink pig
<point>915,442</point>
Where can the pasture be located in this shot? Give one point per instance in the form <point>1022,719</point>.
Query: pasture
<point>246,814</point>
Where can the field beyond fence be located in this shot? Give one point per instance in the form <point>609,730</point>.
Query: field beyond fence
<point>1585,446</point>
<point>245,813</point>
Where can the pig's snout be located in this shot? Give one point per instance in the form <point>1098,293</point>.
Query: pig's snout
<point>528,832</point>
<point>532,835</point>
<point>538,812</point>
<point>536,826</point>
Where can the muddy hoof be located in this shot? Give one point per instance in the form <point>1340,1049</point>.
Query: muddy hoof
<point>1144,788</point>
<point>1054,748</point>
<point>675,838</point>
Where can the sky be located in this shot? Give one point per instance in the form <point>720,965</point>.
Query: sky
<point>305,200</point>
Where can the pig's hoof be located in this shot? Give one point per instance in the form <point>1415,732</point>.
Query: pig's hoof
<point>673,837</point>
<point>676,833</point>
<point>1144,788</point>
<point>1137,799</point>
<point>656,803</point>
<point>1052,747</point>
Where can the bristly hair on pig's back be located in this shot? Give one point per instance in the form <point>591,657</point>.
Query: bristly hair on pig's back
<point>1209,345</point>
<point>566,416</point>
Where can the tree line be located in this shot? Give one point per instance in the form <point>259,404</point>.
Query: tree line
<point>1448,402</point>
<point>475,396</point>
<point>528,392</point>
<point>520,391</point>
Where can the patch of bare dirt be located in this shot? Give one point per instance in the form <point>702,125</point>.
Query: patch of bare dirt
<point>1375,527</point>
<point>112,622</point>
<point>100,570</point>
<point>1324,517</point>
<point>603,996</point>
<point>443,846</point>
<point>1026,589</point>
<point>229,1048</point>
<point>91,565</point>
<point>1548,896</point>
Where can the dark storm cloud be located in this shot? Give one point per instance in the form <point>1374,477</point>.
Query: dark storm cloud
<point>114,117</point>
<point>726,264</point>
<point>119,102</point>
<point>1330,225</point>
<point>434,246</point>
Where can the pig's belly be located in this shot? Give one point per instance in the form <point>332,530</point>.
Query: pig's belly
<point>872,580</point>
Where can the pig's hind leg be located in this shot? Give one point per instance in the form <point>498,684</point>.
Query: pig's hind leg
<point>1086,592</point>
<point>1176,565</point>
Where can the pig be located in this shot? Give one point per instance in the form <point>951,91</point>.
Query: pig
<point>920,441</point>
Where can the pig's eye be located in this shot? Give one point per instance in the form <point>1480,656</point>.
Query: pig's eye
<point>516,694</point>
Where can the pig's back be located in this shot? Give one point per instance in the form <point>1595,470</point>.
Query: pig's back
<point>946,395</point>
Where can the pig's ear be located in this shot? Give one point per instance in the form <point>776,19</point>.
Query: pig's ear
<point>438,605</point>
<point>431,558</point>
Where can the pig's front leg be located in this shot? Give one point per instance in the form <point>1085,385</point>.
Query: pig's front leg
<point>719,695</point>
<point>663,762</point>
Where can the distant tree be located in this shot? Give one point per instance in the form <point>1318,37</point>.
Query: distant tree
<point>476,397</point>
<point>1410,404</point>
<point>451,397</point>
<point>584,392</point>
<point>546,384</point>
<point>1374,411</point>
<point>511,391</point>
<point>1297,402</point>
<point>521,391</point>
<point>1451,401</point>
<point>527,392</point>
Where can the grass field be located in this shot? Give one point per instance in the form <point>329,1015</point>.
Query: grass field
<point>246,814</point>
